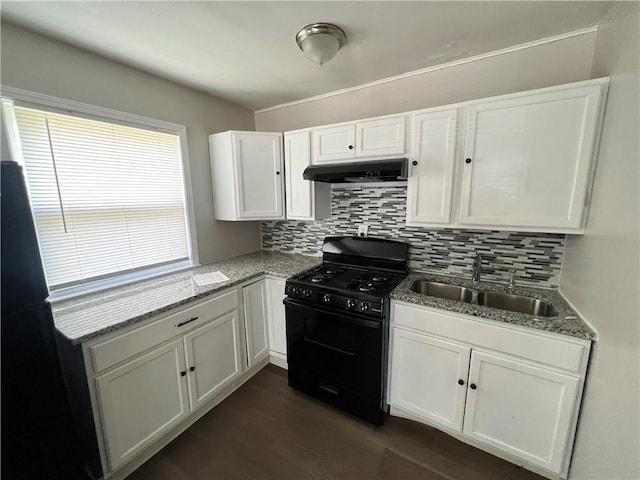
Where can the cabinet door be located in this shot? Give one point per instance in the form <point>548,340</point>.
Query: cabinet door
<point>141,400</point>
<point>521,409</point>
<point>306,200</point>
<point>530,159</point>
<point>431,181</point>
<point>213,357</point>
<point>259,177</point>
<point>277,323</point>
<point>425,377</point>
<point>334,143</point>
<point>255,317</point>
<point>384,136</point>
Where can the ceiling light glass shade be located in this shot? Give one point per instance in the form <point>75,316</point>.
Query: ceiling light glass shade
<point>320,41</point>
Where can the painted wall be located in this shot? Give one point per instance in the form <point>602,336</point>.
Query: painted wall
<point>562,61</point>
<point>39,64</point>
<point>600,273</point>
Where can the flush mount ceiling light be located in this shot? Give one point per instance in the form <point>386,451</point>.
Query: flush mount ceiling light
<point>320,41</point>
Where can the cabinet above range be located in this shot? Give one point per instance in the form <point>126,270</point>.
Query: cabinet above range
<point>363,139</point>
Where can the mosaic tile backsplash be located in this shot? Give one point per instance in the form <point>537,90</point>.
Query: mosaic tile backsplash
<point>536,258</point>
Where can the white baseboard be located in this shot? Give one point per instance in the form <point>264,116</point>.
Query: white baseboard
<point>278,360</point>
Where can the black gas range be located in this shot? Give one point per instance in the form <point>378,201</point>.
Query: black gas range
<point>337,316</point>
<point>347,288</point>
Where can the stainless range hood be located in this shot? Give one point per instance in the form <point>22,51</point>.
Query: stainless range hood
<point>356,172</point>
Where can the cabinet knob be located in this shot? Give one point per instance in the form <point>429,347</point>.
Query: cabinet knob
<point>473,386</point>
<point>182,374</point>
<point>277,173</point>
<point>191,369</point>
<point>350,147</point>
<point>460,382</point>
<point>468,160</point>
<point>415,162</point>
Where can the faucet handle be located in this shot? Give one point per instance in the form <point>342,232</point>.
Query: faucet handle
<point>512,278</point>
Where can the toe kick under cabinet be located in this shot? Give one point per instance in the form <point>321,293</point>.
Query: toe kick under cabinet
<point>510,390</point>
<point>150,381</point>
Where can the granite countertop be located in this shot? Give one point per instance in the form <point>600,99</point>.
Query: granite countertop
<point>567,321</point>
<point>92,315</point>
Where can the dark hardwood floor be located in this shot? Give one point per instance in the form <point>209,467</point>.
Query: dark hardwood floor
<point>266,430</point>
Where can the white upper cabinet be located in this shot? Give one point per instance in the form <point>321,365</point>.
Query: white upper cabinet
<point>430,184</point>
<point>528,158</point>
<point>306,200</point>
<point>334,143</point>
<point>384,136</point>
<point>376,137</point>
<point>247,170</point>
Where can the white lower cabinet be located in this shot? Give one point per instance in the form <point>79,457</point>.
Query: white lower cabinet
<point>142,399</point>
<point>520,408</point>
<point>276,316</point>
<point>255,317</point>
<point>523,401</point>
<point>213,358</point>
<point>151,380</point>
<point>418,387</point>
<point>149,395</point>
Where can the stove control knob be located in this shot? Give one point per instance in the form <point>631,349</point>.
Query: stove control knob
<point>351,303</point>
<point>286,289</point>
<point>296,291</point>
<point>364,306</point>
<point>307,292</point>
<point>326,299</point>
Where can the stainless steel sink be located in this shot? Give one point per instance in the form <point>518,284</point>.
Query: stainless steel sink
<point>516,303</point>
<point>443,290</point>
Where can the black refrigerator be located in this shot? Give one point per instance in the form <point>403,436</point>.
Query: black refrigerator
<point>38,438</point>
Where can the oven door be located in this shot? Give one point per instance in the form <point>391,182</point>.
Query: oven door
<point>336,350</point>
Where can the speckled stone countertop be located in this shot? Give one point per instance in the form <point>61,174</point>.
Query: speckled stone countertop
<point>89,316</point>
<point>567,321</point>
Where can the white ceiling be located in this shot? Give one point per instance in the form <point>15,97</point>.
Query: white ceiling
<point>245,51</point>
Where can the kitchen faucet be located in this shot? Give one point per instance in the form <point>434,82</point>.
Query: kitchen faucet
<point>477,270</point>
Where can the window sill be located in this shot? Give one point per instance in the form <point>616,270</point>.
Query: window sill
<point>98,286</point>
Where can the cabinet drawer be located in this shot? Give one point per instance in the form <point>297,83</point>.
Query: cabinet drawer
<point>116,349</point>
<point>557,352</point>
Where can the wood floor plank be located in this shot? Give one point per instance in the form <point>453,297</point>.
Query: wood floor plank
<point>266,430</point>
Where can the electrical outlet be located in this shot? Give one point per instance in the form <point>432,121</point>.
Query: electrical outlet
<point>363,230</point>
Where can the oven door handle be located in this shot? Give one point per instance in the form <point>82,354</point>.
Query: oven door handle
<point>335,349</point>
<point>350,318</point>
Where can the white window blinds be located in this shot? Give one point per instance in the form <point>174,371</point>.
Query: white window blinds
<point>107,198</point>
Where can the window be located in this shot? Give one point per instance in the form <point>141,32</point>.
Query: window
<point>108,198</point>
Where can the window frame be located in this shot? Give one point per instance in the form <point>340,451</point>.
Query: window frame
<point>93,112</point>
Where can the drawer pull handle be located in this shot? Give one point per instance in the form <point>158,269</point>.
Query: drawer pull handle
<point>192,319</point>
<point>473,386</point>
<point>328,389</point>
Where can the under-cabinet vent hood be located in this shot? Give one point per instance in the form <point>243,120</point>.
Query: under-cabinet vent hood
<point>356,172</point>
